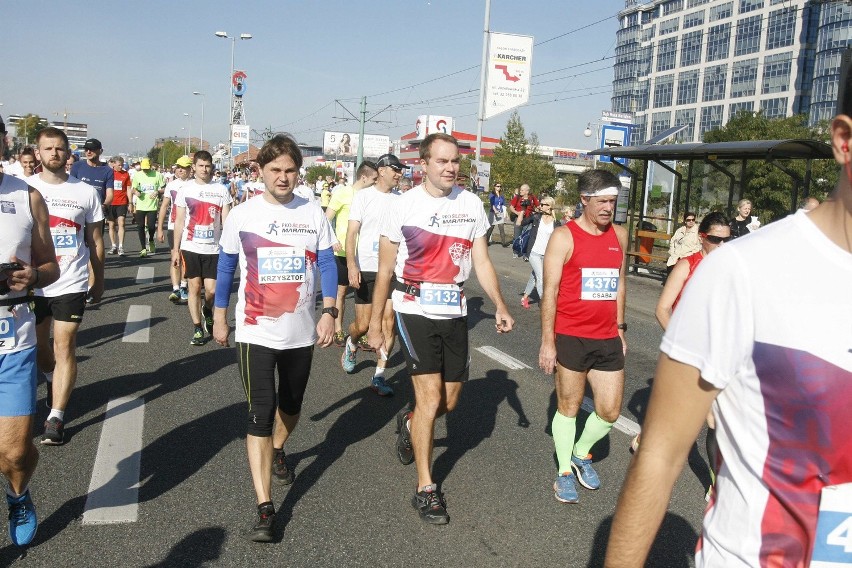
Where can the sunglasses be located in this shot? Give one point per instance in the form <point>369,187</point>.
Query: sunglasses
<point>691,219</point>
<point>713,239</point>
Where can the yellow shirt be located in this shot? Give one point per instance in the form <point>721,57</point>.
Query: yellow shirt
<point>340,202</point>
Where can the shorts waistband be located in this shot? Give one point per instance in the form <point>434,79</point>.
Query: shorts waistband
<point>413,288</point>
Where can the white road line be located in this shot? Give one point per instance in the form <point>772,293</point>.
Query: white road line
<point>626,425</point>
<point>137,326</point>
<point>114,489</point>
<point>145,275</point>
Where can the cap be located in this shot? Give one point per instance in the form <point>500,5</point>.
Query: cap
<point>389,160</point>
<point>183,162</point>
<point>93,144</point>
<point>145,164</point>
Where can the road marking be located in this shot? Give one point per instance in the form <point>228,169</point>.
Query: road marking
<point>145,275</point>
<point>503,358</point>
<point>137,326</point>
<point>626,425</point>
<point>114,489</point>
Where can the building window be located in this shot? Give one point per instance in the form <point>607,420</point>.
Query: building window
<point>711,118</point>
<point>666,52</point>
<point>776,73</point>
<point>690,48</point>
<point>637,133</point>
<point>648,17</point>
<point>693,19</point>
<point>685,116</point>
<point>780,28</point>
<point>687,88</point>
<point>736,108</point>
<point>663,87</point>
<point>669,26</point>
<point>750,5</point>
<point>660,121</point>
<point>721,11</point>
<point>672,7</point>
<point>744,78</point>
<point>774,108</point>
<point>718,42</point>
<point>694,3</point>
<point>715,79</point>
<point>645,54</point>
<point>748,36</point>
<point>648,33</point>
<point>644,94</point>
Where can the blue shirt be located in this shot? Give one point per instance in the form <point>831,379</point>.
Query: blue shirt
<point>100,177</point>
<point>497,202</point>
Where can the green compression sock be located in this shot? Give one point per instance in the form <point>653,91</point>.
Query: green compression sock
<point>595,430</point>
<point>564,429</point>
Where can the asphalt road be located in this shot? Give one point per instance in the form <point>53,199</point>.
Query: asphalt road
<point>350,503</point>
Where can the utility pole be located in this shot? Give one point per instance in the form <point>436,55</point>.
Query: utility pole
<point>362,121</point>
<point>482,75</point>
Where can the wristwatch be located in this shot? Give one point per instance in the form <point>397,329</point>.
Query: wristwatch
<point>622,326</point>
<point>332,311</point>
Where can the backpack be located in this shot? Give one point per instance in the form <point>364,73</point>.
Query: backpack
<point>519,243</point>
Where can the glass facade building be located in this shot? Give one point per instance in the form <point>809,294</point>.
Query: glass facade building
<point>700,62</point>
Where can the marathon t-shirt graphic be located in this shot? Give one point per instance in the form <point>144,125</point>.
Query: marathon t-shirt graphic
<point>202,221</point>
<point>435,236</point>
<point>172,190</point>
<point>278,247</point>
<point>71,205</point>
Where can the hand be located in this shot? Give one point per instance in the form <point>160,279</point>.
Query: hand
<point>504,321</point>
<point>221,331</point>
<point>325,330</point>
<point>354,276</point>
<point>547,357</point>
<point>375,338</point>
<point>20,280</point>
<point>175,258</point>
<point>160,237</point>
<point>623,338</point>
<point>336,247</point>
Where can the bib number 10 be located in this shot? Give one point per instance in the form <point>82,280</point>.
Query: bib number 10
<point>7,333</point>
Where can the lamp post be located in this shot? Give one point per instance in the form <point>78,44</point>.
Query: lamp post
<point>230,87</point>
<point>587,133</point>
<point>134,142</point>
<point>188,132</point>
<point>202,116</point>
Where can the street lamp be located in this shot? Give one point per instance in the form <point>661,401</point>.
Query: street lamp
<point>134,142</point>
<point>188,132</point>
<point>588,132</point>
<point>202,116</point>
<point>233,39</point>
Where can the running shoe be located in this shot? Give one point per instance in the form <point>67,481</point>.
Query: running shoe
<point>404,451</point>
<point>430,504</point>
<point>262,529</point>
<point>380,387</point>
<point>113,249</point>
<point>152,247</point>
<point>120,251</point>
<point>207,321</point>
<point>143,253</point>
<point>23,522</point>
<point>54,432</point>
<point>339,338</point>
<point>586,474</point>
<point>197,337</point>
<point>564,489</point>
<point>184,295</point>
<point>364,344</point>
<point>174,297</point>
<point>525,302</point>
<point>347,358</point>
<point>279,468</point>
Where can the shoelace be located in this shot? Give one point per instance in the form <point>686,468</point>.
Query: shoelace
<point>18,513</point>
<point>433,500</point>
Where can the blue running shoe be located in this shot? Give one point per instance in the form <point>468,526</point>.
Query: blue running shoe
<point>586,474</point>
<point>380,387</point>
<point>347,359</point>
<point>184,295</point>
<point>22,519</point>
<point>564,489</point>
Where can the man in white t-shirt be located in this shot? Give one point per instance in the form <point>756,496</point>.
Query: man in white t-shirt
<point>202,207</point>
<point>76,216</point>
<point>278,240</point>
<point>253,186</point>
<point>168,208</point>
<point>762,336</point>
<point>362,236</point>
<point>431,237</point>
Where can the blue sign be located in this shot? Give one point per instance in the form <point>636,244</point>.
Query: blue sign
<point>613,135</point>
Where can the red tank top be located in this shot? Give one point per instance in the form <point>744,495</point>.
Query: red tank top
<point>586,304</point>
<point>694,260</point>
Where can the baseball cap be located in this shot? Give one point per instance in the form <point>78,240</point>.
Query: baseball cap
<point>183,162</point>
<point>93,144</point>
<point>145,164</point>
<point>391,161</point>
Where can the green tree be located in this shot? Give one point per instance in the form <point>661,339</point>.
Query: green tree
<point>516,161</point>
<point>27,127</point>
<point>315,172</point>
<point>168,153</point>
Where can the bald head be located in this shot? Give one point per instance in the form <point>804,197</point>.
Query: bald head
<point>809,204</point>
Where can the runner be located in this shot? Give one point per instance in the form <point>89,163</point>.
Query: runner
<point>75,220</point>
<point>202,207</point>
<point>275,325</point>
<point>117,211</point>
<point>147,187</point>
<point>362,239</point>
<point>183,166</point>
<point>24,239</point>
<point>430,238</point>
<point>582,328</point>
<point>253,187</point>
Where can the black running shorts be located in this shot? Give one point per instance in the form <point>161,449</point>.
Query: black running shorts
<point>67,307</point>
<point>364,293</point>
<point>200,265</point>
<point>342,271</point>
<point>580,354</point>
<point>435,346</point>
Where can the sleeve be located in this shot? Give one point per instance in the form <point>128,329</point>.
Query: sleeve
<point>225,270</point>
<point>356,210</point>
<point>180,199</point>
<point>110,180</point>
<point>328,272</point>
<point>229,240</point>
<point>482,226</point>
<point>516,202</point>
<point>227,198</point>
<point>334,204</point>
<point>134,181</point>
<point>325,234</point>
<point>96,210</point>
<point>712,328</point>
<point>391,226</point>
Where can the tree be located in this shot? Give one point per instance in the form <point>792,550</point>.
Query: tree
<point>27,127</point>
<point>516,161</point>
<point>318,171</point>
<point>168,153</point>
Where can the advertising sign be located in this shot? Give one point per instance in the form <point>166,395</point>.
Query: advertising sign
<point>238,82</point>
<point>428,124</point>
<point>239,138</point>
<point>507,83</point>
<point>612,135</point>
<point>480,176</point>
<point>345,144</point>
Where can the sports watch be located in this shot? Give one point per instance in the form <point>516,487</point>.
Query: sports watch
<point>622,326</point>
<point>332,311</point>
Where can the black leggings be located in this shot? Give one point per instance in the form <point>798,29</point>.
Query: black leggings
<point>141,218</point>
<point>257,371</point>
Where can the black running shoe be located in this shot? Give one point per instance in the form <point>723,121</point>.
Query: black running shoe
<point>207,320</point>
<point>430,504</point>
<point>54,432</point>
<point>404,451</point>
<point>279,468</point>
<point>262,529</point>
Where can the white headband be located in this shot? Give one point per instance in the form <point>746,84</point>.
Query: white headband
<point>601,192</point>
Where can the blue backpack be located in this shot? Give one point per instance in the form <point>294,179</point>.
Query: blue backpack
<point>519,243</point>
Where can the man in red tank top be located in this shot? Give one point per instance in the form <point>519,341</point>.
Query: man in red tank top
<point>582,328</point>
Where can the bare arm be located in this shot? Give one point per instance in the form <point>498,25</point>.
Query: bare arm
<point>161,217</point>
<point>330,214</point>
<point>180,219</point>
<point>490,285</point>
<point>560,247</point>
<point>621,297</point>
<point>351,264</point>
<point>674,286</point>
<point>95,235</point>
<point>680,400</point>
<point>384,276</point>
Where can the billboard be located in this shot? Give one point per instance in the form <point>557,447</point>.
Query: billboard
<point>239,138</point>
<point>345,144</point>
<point>429,124</point>
<point>507,83</point>
<point>480,176</point>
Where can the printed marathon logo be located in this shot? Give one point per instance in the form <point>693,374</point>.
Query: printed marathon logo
<point>58,203</point>
<point>7,207</point>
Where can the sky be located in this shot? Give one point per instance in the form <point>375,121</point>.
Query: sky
<point>130,76</point>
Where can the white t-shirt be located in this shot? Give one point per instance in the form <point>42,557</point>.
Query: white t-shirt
<point>278,247</point>
<point>17,326</point>
<point>542,236</point>
<point>435,235</point>
<point>72,205</point>
<point>171,191</point>
<point>253,188</point>
<point>304,192</point>
<point>368,207</point>
<point>767,320</point>
<point>203,218</point>
<point>15,169</point>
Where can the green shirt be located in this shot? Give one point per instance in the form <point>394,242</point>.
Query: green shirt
<point>341,201</point>
<point>149,184</point>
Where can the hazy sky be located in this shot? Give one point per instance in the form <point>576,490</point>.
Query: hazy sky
<point>129,69</point>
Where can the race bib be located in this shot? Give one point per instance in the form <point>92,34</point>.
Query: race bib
<point>7,333</point>
<point>203,234</point>
<point>440,299</point>
<point>280,264</point>
<point>117,185</point>
<point>598,283</point>
<point>833,541</point>
<point>64,240</point>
